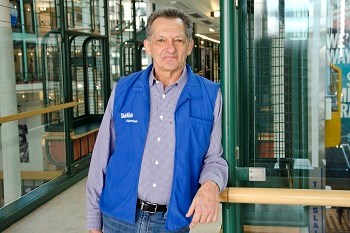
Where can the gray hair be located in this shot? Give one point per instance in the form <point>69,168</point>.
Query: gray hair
<point>170,13</point>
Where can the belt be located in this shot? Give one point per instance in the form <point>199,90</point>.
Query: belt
<point>150,207</point>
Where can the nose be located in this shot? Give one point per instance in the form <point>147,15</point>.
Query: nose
<point>170,45</point>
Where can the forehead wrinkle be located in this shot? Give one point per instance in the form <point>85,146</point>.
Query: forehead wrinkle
<point>164,27</point>
<point>166,37</point>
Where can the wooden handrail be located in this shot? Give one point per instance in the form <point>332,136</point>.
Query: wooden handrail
<point>35,112</point>
<point>74,136</point>
<point>37,175</point>
<point>310,197</point>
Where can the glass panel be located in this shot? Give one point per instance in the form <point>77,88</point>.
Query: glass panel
<point>86,15</point>
<point>46,16</point>
<point>99,18</point>
<point>51,70</point>
<point>32,155</point>
<point>28,16</point>
<point>127,35</point>
<point>141,16</point>
<point>95,79</point>
<point>337,122</point>
<point>18,57</point>
<point>302,219</point>
<point>79,16</point>
<point>278,90</point>
<point>32,72</point>
<point>15,13</point>
<point>216,63</point>
<point>2,199</point>
<point>115,28</point>
<point>34,148</point>
<point>78,82</point>
<point>87,91</point>
<point>297,97</point>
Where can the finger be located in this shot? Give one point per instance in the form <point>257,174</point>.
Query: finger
<point>210,217</point>
<point>211,214</point>
<point>204,216</point>
<point>216,216</point>
<point>216,213</point>
<point>195,219</point>
<point>191,209</point>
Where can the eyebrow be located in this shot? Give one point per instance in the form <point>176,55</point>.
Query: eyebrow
<point>175,37</point>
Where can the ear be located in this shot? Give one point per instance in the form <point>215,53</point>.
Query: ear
<point>147,46</point>
<point>190,47</point>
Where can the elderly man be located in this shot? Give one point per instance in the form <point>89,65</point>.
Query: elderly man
<point>157,164</point>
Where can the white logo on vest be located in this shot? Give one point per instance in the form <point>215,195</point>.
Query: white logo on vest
<point>128,115</point>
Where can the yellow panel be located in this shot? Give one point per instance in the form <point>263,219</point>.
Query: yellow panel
<point>333,126</point>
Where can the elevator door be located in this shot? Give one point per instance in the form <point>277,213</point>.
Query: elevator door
<point>293,110</point>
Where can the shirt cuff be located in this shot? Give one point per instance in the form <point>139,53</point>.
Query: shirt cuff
<point>94,221</point>
<point>215,178</point>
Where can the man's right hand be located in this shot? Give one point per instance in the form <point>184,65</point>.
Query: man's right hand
<point>95,231</point>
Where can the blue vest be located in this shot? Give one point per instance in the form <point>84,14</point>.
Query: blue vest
<point>193,124</point>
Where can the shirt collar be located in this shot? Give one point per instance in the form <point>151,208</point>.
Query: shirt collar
<point>180,83</point>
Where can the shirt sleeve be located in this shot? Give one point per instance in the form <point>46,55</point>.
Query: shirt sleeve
<point>104,147</point>
<point>215,167</point>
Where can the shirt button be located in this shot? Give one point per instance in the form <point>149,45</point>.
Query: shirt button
<point>163,96</point>
<point>158,139</point>
<point>161,117</point>
<point>156,163</point>
<point>154,185</point>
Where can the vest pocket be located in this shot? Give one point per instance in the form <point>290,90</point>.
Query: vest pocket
<point>200,131</point>
<point>200,122</point>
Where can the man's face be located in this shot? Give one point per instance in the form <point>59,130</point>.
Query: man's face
<point>168,45</point>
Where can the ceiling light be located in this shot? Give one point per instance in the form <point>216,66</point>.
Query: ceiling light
<point>207,38</point>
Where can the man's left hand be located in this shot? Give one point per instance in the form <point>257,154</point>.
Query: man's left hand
<point>205,205</point>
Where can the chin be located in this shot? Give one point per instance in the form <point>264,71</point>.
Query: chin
<point>170,67</point>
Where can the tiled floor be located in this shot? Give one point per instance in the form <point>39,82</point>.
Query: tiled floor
<point>66,213</point>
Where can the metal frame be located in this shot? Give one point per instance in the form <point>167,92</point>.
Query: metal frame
<point>229,76</point>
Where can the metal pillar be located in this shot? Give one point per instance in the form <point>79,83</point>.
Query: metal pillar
<point>67,86</point>
<point>9,150</point>
<point>229,84</point>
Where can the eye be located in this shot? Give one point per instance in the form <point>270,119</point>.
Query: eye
<point>179,41</point>
<point>160,41</point>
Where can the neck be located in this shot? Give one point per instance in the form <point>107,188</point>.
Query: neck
<point>167,78</point>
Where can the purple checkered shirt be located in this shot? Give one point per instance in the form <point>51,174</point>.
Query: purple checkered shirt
<point>158,159</point>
